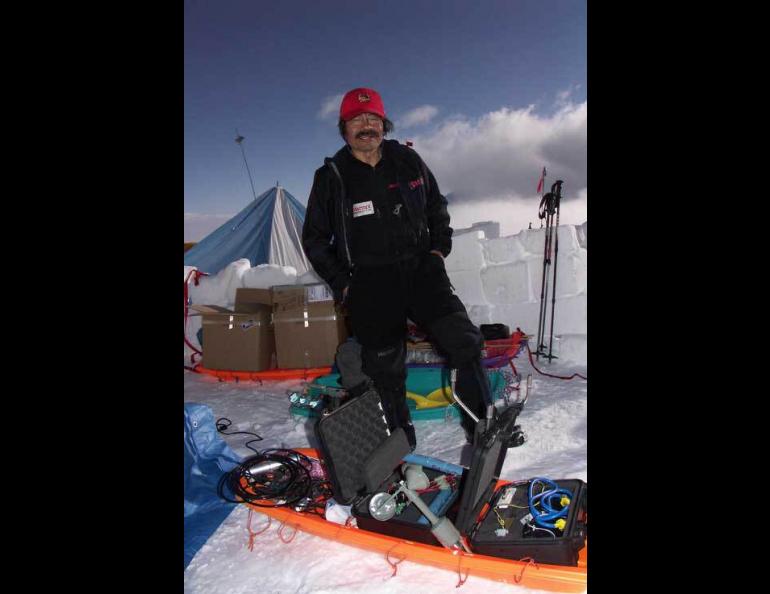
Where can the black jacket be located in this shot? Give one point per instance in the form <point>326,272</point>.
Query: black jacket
<point>328,218</point>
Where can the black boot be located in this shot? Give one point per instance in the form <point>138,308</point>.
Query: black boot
<point>410,436</point>
<point>456,336</point>
<point>349,363</point>
<point>469,428</point>
<point>518,437</point>
<point>387,368</point>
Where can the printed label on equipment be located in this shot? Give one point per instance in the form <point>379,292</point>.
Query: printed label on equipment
<point>363,208</point>
<point>318,293</point>
<point>526,519</point>
<point>506,498</point>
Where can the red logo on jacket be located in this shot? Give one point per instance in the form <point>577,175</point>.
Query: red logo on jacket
<point>415,183</point>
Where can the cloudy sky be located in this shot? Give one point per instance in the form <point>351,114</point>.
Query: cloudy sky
<point>488,91</point>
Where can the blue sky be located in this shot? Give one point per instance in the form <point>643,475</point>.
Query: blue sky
<point>489,91</point>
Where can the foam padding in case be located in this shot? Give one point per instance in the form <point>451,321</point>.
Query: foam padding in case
<point>380,464</point>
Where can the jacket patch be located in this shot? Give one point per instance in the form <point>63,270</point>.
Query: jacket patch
<point>363,208</point>
<point>415,183</point>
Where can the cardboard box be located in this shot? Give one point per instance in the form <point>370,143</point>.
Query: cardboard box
<point>241,339</point>
<point>308,329</point>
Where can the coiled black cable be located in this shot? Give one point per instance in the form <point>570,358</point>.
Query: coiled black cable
<point>276,478</point>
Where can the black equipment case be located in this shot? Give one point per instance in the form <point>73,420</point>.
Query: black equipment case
<point>521,541</point>
<point>495,331</point>
<point>477,521</point>
<point>362,457</point>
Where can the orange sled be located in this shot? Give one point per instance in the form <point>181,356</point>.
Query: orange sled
<point>556,578</point>
<point>270,374</point>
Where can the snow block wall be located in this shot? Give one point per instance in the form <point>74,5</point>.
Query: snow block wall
<point>499,281</point>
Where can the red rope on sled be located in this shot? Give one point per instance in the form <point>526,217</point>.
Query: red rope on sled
<point>530,561</point>
<point>196,274</point>
<point>253,534</point>
<point>280,533</point>
<point>460,579</point>
<point>393,565</point>
<point>550,375</point>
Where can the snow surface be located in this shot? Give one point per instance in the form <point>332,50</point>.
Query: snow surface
<point>554,419</point>
<point>499,281</point>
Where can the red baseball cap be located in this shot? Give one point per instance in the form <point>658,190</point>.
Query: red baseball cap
<point>359,101</point>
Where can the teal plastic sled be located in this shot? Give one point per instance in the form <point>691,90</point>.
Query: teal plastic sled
<point>421,381</point>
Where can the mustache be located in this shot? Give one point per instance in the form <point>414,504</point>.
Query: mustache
<point>363,133</point>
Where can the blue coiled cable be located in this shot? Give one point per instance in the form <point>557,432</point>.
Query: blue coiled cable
<point>545,516</point>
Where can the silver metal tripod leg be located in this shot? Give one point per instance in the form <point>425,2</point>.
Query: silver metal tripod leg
<point>453,379</point>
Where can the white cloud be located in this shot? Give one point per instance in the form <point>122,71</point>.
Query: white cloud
<point>503,152</point>
<point>562,97</point>
<point>197,226</point>
<point>330,106</point>
<point>419,115</point>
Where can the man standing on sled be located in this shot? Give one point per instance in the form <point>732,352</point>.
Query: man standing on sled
<point>377,231</point>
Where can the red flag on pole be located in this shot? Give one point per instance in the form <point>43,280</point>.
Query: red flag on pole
<point>540,183</point>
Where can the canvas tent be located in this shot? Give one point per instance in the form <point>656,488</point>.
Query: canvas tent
<point>267,231</point>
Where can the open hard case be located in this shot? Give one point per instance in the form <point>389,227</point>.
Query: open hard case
<point>477,520</point>
<point>362,457</point>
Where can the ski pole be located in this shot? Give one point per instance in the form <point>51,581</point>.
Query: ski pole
<point>542,283</point>
<point>549,239</point>
<point>546,211</point>
<point>556,191</point>
<point>542,293</point>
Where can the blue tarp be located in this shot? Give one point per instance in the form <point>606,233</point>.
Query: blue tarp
<point>206,458</point>
<point>267,231</point>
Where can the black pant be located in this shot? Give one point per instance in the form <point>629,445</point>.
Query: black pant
<point>379,301</point>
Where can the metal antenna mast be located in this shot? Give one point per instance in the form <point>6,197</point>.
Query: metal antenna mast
<point>239,140</point>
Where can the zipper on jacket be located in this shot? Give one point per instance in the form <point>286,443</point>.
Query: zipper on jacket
<point>415,221</point>
<point>344,214</point>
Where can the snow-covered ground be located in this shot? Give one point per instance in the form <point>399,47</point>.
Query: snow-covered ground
<point>499,280</point>
<point>554,420</point>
